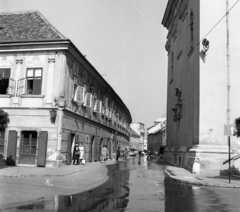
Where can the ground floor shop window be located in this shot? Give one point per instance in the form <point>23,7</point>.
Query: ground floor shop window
<point>2,137</point>
<point>29,142</point>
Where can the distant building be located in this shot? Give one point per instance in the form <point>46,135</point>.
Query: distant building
<point>157,136</point>
<point>203,86</point>
<point>54,96</point>
<point>134,140</point>
<point>145,140</point>
<point>138,127</point>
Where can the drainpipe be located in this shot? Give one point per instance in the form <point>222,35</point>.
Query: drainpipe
<point>228,87</point>
<point>59,130</point>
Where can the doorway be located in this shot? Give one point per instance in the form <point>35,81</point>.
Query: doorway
<point>28,149</point>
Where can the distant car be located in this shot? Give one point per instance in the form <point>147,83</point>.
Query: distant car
<point>133,153</point>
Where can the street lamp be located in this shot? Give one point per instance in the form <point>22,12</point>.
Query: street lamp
<point>53,115</point>
<point>205,44</point>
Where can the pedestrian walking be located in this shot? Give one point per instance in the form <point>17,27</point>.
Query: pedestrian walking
<point>76,153</point>
<point>125,153</point>
<point>118,153</point>
<point>104,154</point>
<point>81,155</point>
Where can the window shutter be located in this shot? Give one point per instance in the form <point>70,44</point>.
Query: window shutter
<point>110,113</point>
<point>12,144</point>
<point>95,106</point>
<point>117,117</point>
<point>88,100</point>
<point>11,87</point>
<point>107,112</point>
<point>98,106</point>
<point>69,146</point>
<point>21,86</point>
<point>113,117</point>
<point>42,148</point>
<point>103,110</point>
<point>79,94</point>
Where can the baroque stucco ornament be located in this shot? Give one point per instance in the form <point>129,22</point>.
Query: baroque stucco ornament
<point>178,106</point>
<point>6,62</point>
<point>60,101</point>
<point>35,61</point>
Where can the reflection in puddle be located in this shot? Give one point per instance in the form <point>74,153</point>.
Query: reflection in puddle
<point>112,195</point>
<point>150,191</point>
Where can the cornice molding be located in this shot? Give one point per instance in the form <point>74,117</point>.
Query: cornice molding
<point>168,45</point>
<point>183,9</point>
<point>175,9</point>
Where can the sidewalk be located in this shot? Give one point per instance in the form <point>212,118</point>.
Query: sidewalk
<point>27,171</point>
<point>182,175</point>
<point>20,185</point>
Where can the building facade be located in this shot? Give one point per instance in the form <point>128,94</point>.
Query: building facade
<point>134,140</point>
<point>203,86</point>
<point>54,96</point>
<point>157,136</point>
<point>138,127</point>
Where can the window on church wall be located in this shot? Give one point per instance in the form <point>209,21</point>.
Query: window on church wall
<point>171,66</point>
<point>191,28</point>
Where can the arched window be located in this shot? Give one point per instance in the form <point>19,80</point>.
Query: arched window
<point>191,29</point>
<point>172,66</point>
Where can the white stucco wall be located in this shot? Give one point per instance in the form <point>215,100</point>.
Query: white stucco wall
<point>213,71</point>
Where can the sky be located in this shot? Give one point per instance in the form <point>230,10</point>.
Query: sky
<point>123,39</point>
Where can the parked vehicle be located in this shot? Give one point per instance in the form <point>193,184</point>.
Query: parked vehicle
<point>132,152</point>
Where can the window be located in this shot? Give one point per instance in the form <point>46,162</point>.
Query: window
<point>29,142</point>
<point>191,28</point>
<point>75,79</point>
<point>34,81</point>
<point>2,133</point>
<point>7,85</point>
<point>172,66</point>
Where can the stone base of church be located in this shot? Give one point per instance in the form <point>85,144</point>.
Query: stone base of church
<point>210,158</point>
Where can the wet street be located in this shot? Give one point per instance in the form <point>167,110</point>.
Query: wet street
<point>140,185</point>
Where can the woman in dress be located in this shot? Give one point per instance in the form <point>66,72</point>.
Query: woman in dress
<point>81,156</point>
<point>76,154</point>
<point>104,154</point>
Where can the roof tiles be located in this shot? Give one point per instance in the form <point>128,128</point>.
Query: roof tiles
<point>26,26</point>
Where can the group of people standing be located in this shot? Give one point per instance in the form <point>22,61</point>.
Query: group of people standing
<point>78,154</point>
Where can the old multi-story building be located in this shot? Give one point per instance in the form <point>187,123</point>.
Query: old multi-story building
<point>138,127</point>
<point>157,136</point>
<point>54,96</point>
<point>203,81</point>
<point>134,140</point>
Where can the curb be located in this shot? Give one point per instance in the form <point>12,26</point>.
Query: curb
<point>35,175</point>
<point>176,179</point>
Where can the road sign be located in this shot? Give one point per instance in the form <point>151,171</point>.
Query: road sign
<point>229,129</point>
